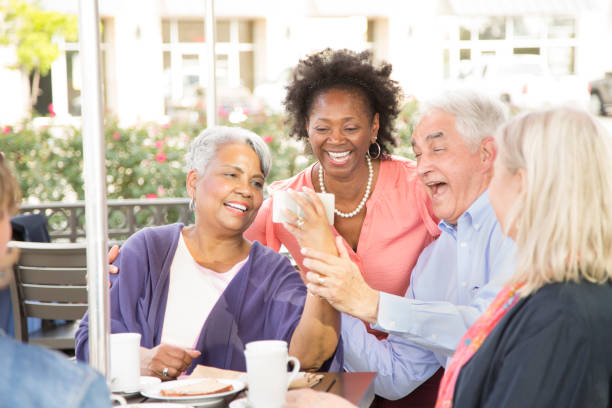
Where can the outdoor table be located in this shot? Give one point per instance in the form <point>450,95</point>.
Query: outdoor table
<point>358,388</point>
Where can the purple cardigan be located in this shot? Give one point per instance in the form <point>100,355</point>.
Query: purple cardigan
<point>263,301</point>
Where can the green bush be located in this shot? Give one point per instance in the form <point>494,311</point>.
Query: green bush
<point>143,161</point>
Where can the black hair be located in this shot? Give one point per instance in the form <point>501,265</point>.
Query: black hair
<point>344,69</point>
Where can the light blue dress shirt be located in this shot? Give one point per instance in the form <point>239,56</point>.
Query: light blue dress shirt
<point>453,282</point>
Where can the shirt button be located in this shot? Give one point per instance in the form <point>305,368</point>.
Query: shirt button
<point>463,244</point>
<point>392,324</point>
<point>464,284</point>
<point>433,336</point>
<point>476,226</point>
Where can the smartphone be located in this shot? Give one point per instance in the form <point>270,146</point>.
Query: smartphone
<point>283,201</point>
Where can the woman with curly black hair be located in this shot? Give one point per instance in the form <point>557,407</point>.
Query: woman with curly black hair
<point>345,106</point>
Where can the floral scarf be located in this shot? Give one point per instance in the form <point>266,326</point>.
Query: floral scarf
<point>473,339</point>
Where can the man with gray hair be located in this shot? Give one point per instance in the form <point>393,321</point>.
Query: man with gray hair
<point>456,276</point>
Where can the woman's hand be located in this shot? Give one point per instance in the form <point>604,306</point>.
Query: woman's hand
<point>113,253</point>
<point>312,230</point>
<point>339,281</point>
<point>307,398</point>
<point>166,361</point>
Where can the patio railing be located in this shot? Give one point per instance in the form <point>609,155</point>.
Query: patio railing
<point>67,220</point>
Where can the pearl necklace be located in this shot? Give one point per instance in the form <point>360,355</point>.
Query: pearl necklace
<point>365,196</point>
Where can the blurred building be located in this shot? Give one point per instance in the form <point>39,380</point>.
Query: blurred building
<point>154,54</point>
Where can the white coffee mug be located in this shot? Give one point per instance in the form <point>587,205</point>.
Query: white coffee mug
<point>283,201</point>
<point>267,374</point>
<point>125,362</point>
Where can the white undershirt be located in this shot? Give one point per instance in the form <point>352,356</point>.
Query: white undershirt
<point>192,293</point>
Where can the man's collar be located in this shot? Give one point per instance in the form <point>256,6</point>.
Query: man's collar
<point>475,215</point>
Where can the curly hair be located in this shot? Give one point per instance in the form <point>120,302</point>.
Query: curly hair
<point>328,69</point>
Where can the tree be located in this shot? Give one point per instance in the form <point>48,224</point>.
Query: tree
<point>32,31</point>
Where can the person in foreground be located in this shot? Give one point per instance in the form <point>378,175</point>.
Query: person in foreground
<point>456,276</point>
<point>345,106</point>
<point>33,376</point>
<point>198,294</point>
<point>545,339</point>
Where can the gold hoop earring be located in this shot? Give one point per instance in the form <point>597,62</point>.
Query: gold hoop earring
<point>378,152</point>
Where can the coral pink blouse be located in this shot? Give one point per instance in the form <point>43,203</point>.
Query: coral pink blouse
<point>397,226</point>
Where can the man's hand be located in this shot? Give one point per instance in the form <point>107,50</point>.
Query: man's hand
<point>166,361</point>
<point>339,281</point>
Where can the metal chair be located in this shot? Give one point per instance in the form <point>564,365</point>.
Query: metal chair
<point>49,283</point>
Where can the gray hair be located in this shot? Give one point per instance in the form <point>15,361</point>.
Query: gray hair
<point>203,149</point>
<point>477,115</point>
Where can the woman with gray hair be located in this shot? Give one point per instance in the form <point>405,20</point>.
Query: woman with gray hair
<point>197,294</point>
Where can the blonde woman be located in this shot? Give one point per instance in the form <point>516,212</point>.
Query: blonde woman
<point>545,341</point>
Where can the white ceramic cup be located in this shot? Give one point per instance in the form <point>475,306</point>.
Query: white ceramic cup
<point>267,374</point>
<point>283,201</point>
<point>125,362</point>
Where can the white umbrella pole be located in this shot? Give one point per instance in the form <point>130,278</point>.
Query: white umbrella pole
<point>211,89</point>
<point>94,173</point>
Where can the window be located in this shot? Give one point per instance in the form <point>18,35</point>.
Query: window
<point>184,61</point>
<point>529,51</point>
<point>527,27</point>
<point>562,27</point>
<point>493,28</point>
<point>473,41</point>
<point>561,60</point>
<point>71,74</point>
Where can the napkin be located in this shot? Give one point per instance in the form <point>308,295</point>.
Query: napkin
<point>304,380</point>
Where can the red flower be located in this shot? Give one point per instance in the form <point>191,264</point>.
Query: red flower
<point>160,157</point>
<point>7,129</point>
<point>117,136</point>
<point>268,138</point>
<point>151,195</point>
<point>51,111</point>
<point>159,144</point>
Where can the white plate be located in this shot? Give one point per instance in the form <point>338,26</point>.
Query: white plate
<point>146,381</point>
<point>157,405</point>
<point>154,391</point>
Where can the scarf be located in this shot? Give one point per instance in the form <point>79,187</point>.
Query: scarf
<point>473,339</point>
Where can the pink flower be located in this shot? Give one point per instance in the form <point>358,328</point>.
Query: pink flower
<point>161,157</point>
<point>159,144</point>
<point>166,125</point>
<point>7,129</point>
<point>117,136</point>
<point>268,138</point>
<point>51,111</point>
<point>151,195</point>
<point>223,113</point>
<point>160,190</point>
<point>246,111</point>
